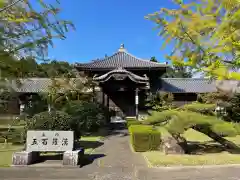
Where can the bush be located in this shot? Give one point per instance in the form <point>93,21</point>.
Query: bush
<point>14,136</point>
<point>144,138</point>
<point>56,120</point>
<point>86,116</point>
<point>207,109</point>
<point>233,110</point>
<point>213,98</point>
<point>160,101</point>
<point>133,122</point>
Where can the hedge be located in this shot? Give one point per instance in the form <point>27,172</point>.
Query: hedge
<point>144,138</point>
<point>133,122</point>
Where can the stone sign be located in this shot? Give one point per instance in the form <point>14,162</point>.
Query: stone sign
<point>52,141</point>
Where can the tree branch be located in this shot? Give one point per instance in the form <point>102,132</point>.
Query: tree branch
<point>191,39</point>
<point>28,31</point>
<point>9,6</point>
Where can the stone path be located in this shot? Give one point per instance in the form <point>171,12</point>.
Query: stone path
<point>119,163</point>
<point>118,153</point>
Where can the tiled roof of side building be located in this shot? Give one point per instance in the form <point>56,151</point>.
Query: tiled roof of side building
<point>35,85</point>
<point>190,85</point>
<point>198,85</point>
<point>120,59</point>
<point>174,85</point>
<point>39,85</point>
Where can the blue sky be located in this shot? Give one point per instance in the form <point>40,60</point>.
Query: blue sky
<point>101,26</point>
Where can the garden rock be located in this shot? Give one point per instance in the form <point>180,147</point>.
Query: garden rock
<point>171,146</point>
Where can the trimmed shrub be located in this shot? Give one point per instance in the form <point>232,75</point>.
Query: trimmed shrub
<point>144,138</point>
<point>132,122</point>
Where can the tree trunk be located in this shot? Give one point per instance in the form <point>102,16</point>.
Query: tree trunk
<point>181,141</point>
<point>230,146</point>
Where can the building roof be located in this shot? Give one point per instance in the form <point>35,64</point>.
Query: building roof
<point>190,85</point>
<point>121,74</point>
<point>194,85</point>
<point>174,85</point>
<point>34,85</point>
<point>40,85</point>
<point>121,59</point>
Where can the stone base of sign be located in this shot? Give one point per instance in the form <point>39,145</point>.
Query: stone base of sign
<point>73,158</point>
<point>24,158</point>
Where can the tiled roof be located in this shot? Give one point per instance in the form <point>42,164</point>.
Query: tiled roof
<point>33,85</point>
<point>38,85</point>
<point>174,85</point>
<point>180,85</point>
<point>191,85</point>
<point>120,59</point>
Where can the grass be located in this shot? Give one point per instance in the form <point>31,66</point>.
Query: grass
<point>6,152</point>
<point>211,153</point>
<point>156,158</point>
<point>90,143</point>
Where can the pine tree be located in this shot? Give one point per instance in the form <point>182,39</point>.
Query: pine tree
<point>199,117</point>
<point>153,59</point>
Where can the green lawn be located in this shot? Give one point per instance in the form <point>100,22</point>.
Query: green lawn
<point>90,143</point>
<point>211,153</point>
<point>157,159</point>
<point>6,154</point>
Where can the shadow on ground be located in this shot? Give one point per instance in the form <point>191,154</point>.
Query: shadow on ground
<point>209,147</point>
<point>90,158</point>
<point>112,129</point>
<point>117,129</point>
<point>88,144</point>
<point>87,159</point>
<point>49,157</point>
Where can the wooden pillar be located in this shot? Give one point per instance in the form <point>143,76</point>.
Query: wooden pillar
<point>22,107</point>
<point>136,102</point>
<point>108,102</point>
<point>103,98</point>
<point>22,102</point>
<point>94,93</point>
<point>49,108</point>
<point>49,102</point>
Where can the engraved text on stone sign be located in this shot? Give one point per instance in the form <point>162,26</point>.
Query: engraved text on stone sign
<point>49,141</point>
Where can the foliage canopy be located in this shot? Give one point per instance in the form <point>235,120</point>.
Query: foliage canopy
<point>27,30</point>
<point>205,34</point>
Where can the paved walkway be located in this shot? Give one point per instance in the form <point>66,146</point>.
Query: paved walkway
<point>117,162</point>
<point>118,153</point>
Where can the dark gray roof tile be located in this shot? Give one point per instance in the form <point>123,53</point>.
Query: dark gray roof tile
<point>190,85</point>
<point>174,85</point>
<point>120,59</point>
<point>38,85</point>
